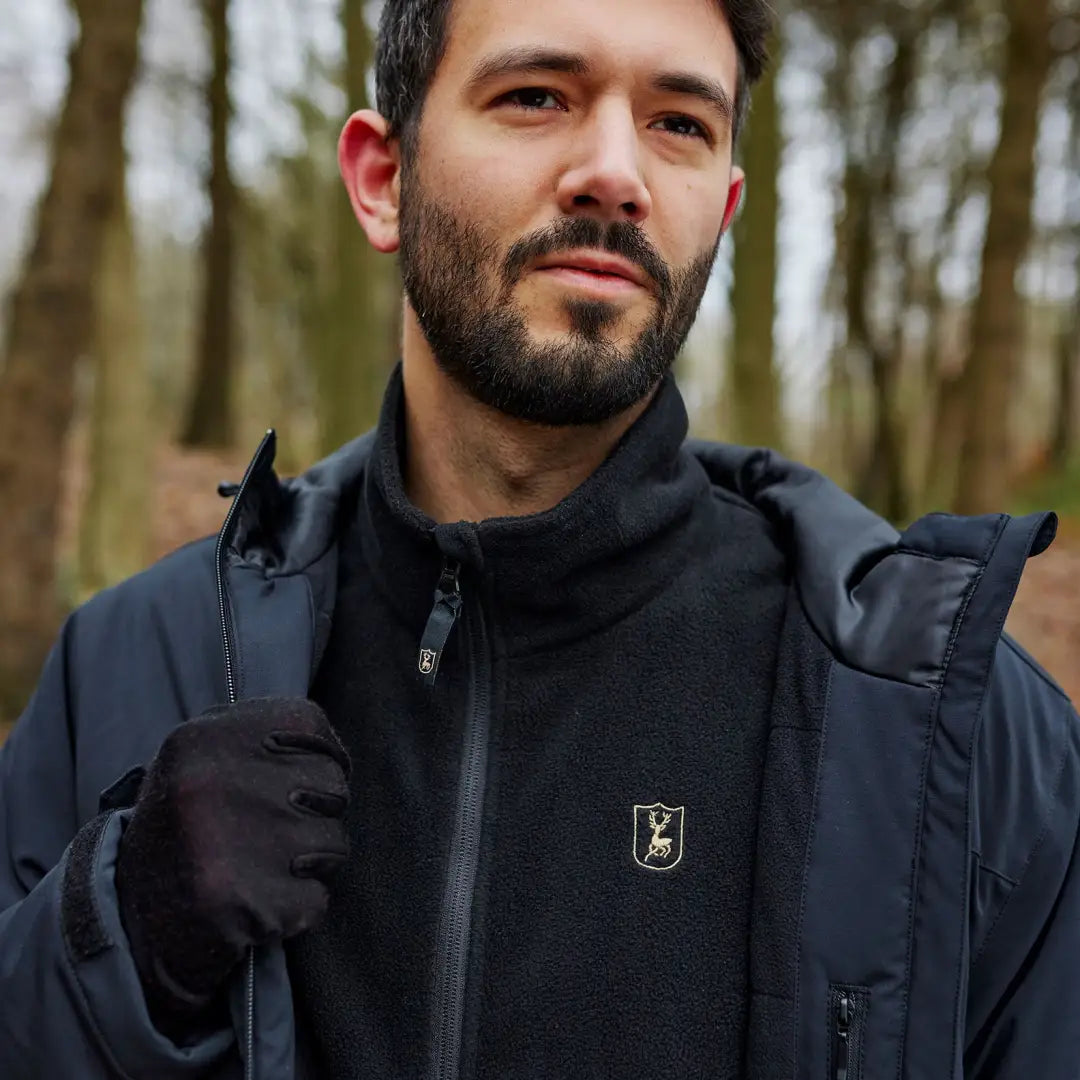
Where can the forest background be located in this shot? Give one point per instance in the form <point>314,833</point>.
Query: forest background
<point>899,303</point>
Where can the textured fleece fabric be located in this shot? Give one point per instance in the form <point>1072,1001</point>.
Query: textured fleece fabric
<point>633,632</point>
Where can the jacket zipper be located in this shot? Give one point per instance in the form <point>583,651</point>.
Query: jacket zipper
<point>847,1014</point>
<point>455,921</point>
<point>230,683</point>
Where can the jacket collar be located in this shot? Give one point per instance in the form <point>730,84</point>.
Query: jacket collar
<point>884,602</point>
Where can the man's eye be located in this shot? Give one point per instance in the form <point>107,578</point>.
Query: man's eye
<point>685,126</point>
<point>532,97</point>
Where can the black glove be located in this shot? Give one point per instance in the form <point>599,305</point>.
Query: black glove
<point>236,831</point>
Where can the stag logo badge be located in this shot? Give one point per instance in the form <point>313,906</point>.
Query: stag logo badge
<point>658,836</point>
<point>427,661</point>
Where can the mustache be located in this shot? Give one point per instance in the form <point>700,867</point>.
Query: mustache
<point>622,238</point>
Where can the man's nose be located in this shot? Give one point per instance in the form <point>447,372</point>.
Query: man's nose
<point>605,180</point>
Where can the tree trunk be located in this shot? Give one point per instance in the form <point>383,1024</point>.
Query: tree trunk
<point>114,532</point>
<point>941,371</point>
<point>990,374</point>
<point>754,385</point>
<point>51,326</point>
<point>1063,447</point>
<point>356,350</point>
<point>883,482</point>
<point>880,481</point>
<point>946,439</point>
<point>210,417</point>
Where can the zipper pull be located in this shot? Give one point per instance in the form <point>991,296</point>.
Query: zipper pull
<point>444,614</point>
<point>843,1028</point>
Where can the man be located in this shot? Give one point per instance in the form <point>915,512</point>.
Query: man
<point>659,759</point>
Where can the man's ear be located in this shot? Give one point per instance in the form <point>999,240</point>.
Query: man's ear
<point>734,196</point>
<point>369,165</point>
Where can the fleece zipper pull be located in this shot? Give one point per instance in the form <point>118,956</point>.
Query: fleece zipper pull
<point>444,614</point>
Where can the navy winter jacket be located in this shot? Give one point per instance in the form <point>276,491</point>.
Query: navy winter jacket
<point>916,908</point>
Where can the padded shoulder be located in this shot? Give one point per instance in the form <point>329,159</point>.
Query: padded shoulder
<point>886,603</point>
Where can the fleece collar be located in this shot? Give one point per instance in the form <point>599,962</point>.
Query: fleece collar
<point>548,577</point>
<point>883,602</point>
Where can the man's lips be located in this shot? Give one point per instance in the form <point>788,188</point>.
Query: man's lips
<point>594,268</point>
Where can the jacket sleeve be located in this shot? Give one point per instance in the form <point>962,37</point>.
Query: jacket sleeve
<point>1024,991</point>
<point>70,999</point>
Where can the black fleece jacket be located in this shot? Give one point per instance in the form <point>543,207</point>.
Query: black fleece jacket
<point>553,844</point>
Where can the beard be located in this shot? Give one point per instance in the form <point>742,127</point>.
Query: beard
<point>460,287</point>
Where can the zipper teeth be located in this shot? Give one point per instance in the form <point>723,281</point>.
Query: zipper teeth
<point>230,682</point>
<point>457,939</point>
<point>455,931</point>
<point>249,1065</point>
<point>219,553</point>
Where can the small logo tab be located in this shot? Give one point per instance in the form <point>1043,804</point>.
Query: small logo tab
<point>658,836</point>
<point>427,661</point>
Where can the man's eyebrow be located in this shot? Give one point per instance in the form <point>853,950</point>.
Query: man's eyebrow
<point>707,90</point>
<point>527,59</point>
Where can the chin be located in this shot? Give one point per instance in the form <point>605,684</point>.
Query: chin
<point>585,320</point>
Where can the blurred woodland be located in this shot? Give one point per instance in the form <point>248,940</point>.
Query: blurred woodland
<point>899,304</point>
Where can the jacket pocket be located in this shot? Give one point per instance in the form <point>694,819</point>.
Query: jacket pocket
<point>848,1007</point>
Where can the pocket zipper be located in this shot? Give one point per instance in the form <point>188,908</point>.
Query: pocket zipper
<point>848,1006</point>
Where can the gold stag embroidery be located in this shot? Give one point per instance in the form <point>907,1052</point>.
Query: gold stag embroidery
<point>660,846</point>
<point>658,836</point>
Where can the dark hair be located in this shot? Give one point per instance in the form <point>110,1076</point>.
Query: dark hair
<point>412,39</point>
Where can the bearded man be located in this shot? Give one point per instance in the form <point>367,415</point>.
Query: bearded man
<point>523,737</point>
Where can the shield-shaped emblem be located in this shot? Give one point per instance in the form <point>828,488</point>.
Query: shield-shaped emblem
<point>658,836</point>
<point>427,661</point>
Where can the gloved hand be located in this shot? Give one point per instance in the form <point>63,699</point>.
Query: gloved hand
<point>235,835</point>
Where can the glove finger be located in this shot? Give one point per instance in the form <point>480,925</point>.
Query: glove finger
<point>321,865</point>
<point>323,803</point>
<point>302,742</point>
<point>314,832</point>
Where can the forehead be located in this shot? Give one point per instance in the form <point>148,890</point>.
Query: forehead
<point>621,39</point>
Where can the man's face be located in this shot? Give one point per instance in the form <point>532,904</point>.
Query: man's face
<point>565,198</point>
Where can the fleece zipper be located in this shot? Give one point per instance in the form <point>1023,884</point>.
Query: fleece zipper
<point>455,919</point>
<point>230,683</point>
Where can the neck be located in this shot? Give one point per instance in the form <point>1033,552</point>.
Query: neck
<point>466,461</point>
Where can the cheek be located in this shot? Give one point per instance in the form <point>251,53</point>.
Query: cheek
<point>689,221</point>
<point>505,193</point>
